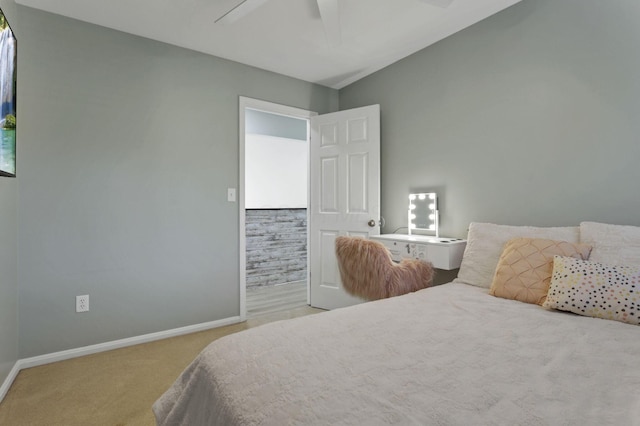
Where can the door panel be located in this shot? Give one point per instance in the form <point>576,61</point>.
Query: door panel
<point>357,176</point>
<point>329,185</point>
<point>345,194</point>
<point>329,278</point>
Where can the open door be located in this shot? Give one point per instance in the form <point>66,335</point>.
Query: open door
<point>344,166</point>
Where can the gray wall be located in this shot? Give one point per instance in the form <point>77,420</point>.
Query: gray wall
<point>8,276</point>
<point>8,249</point>
<point>528,117</point>
<point>265,123</point>
<point>127,147</point>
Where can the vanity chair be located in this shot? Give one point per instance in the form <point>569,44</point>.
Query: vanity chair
<point>368,271</point>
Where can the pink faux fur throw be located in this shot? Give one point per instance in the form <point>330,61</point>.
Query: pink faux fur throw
<point>367,270</point>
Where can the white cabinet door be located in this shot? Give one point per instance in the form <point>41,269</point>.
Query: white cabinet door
<point>345,194</point>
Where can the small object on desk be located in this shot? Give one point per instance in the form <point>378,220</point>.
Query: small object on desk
<point>443,253</point>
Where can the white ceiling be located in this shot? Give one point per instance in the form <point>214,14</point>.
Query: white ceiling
<point>288,36</point>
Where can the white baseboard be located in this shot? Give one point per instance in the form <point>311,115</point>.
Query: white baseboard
<point>107,346</point>
<point>9,380</point>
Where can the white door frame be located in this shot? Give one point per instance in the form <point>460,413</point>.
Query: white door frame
<point>273,108</point>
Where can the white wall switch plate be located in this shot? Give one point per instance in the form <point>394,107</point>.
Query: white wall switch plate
<point>231,195</point>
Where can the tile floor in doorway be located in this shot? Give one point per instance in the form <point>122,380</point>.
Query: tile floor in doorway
<point>274,298</point>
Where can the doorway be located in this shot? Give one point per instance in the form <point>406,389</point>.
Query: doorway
<point>273,203</point>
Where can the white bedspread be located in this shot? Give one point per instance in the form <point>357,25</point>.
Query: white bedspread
<point>448,355</point>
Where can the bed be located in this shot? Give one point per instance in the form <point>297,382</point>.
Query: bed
<point>466,352</point>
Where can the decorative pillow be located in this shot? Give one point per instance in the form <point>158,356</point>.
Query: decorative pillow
<point>485,242</point>
<point>612,244</point>
<point>595,290</point>
<point>524,269</point>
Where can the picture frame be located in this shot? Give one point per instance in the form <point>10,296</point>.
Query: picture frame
<point>8,66</point>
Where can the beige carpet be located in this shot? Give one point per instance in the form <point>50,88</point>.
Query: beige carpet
<point>111,388</point>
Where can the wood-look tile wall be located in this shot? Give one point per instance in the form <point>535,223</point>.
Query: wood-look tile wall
<point>276,246</point>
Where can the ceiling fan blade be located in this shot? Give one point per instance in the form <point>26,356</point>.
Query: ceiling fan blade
<point>439,3</point>
<point>240,10</point>
<point>330,14</point>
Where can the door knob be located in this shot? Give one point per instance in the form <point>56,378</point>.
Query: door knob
<point>371,223</point>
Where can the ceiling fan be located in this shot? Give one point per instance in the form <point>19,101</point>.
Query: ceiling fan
<point>329,13</point>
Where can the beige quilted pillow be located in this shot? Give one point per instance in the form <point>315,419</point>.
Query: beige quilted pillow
<point>525,266</point>
<point>486,241</point>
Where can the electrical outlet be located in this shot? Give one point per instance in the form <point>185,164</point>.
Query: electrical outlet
<point>82,303</point>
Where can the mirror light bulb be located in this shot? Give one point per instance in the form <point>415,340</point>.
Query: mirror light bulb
<point>422,196</point>
<point>412,206</point>
<point>432,206</point>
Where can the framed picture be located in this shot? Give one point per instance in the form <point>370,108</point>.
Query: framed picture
<point>8,63</point>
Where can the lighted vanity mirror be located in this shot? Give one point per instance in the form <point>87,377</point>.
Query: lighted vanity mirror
<point>423,212</point>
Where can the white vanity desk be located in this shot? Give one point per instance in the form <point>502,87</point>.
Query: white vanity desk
<point>443,253</point>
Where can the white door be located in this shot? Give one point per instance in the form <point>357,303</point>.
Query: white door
<point>344,166</point>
